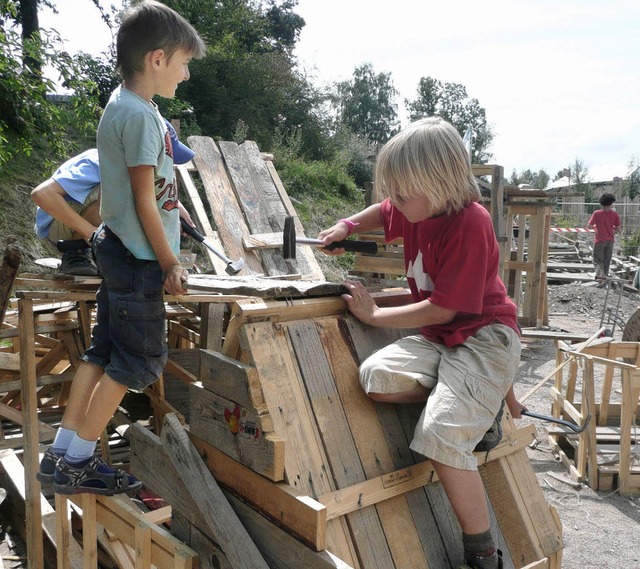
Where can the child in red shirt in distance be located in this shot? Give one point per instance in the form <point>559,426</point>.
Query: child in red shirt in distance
<point>463,362</point>
<point>606,222</point>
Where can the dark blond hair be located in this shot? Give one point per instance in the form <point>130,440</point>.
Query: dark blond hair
<point>428,158</point>
<point>150,25</point>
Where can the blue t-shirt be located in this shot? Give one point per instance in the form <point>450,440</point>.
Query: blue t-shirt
<point>133,133</point>
<point>77,177</point>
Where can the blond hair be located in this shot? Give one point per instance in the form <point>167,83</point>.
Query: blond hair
<point>428,158</point>
<point>150,25</point>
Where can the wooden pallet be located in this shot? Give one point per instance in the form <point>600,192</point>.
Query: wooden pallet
<point>351,485</point>
<point>605,454</point>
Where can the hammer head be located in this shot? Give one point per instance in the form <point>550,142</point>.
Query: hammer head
<point>289,238</point>
<point>234,267</point>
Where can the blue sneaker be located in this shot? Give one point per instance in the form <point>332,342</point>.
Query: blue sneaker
<point>95,477</point>
<point>48,466</point>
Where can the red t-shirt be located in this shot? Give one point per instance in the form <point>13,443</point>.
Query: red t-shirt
<point>605,221</point>
<point>453,260</point>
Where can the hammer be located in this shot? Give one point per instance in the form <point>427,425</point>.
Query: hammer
<point>289,242</point>
<point>233,267</point>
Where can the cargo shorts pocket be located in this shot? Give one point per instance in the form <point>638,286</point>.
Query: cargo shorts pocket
<point>142,325</point>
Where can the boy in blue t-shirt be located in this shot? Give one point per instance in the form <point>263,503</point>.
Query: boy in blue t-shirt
<point>136,247</point>
<point>68,204</point>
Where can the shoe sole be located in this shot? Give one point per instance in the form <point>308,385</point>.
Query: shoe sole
<point>71,490</point>
<point>44,478</point>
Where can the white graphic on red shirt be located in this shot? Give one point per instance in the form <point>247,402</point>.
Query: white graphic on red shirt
<point>416,272</point>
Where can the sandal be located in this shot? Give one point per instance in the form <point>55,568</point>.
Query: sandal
<point>94,478</point>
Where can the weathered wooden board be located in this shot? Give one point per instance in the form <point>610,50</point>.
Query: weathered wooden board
<point>259,200</point>
<point>221,521</point>
<point>232,379</point>
<point>263,287</point>
<point>395,513</point>
<point>225,209</point>
<point>372,546</point>
<point>306,463</point>
<point>237,431</point>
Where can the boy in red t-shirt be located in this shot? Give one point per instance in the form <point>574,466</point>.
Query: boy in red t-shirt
<point>464,361</point>
<point>606,222</point>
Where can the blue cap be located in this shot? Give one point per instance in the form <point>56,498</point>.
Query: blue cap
<point>181,152</point>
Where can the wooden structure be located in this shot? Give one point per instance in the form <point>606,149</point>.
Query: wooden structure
<point>524,267</point>
<point>605,455</point>
<point>279,418</point>
<point>284,425</point>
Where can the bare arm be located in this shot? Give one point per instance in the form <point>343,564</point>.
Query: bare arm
<point>142,184</point>
<point>50,197</point>
<point>368,219</point>
<point>515,407</point>
<point>423,313</point>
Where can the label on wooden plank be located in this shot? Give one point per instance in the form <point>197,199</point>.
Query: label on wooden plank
<point>397,477</point>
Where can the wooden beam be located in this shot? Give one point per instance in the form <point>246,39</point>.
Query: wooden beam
<point>222,524</point>
<point>395,483</point>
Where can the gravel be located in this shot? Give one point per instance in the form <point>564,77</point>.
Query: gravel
<point>600,529</point>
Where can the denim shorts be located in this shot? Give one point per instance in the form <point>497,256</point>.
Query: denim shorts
<point>467,384</point>
<point>129,339</point>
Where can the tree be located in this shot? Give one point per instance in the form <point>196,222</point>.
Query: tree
<point>451,102</point>
<point>248,76</point>
<point>537,180</point>
<point>27,116</point>
<point>366,104</point>
<point>632,183</point>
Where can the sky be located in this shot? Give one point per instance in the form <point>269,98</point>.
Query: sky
<point>559,79</point>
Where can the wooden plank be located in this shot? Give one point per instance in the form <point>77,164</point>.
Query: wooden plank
<point>211,325</point>
<point>236,431</point>
<point>378,264</point>
<point>365,526</point>
<point>29,401</point>
<point>223,526</point>
<point>303,516</point>
<point>263,287</point>
<point>305,460</point>
<point>279,548</point>
<point>225,210</point>
<point>259,200</point>
<point>395,512</point>
<point>527,521</point>
<point>8,272</point>
<point>9,361</point>
<point>232,379</point>
<point>199,215</point>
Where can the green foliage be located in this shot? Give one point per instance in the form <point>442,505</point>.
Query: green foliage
<point>356,154</point>
<point>451,102</point>
<point>249,73</point>
<point>366,104</point>
<point>567,221</point>
<point>27,116</point>
<point>630,243</point>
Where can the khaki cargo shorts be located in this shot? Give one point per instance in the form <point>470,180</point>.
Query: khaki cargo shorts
<point>467,383</point>
<point>59,231</point>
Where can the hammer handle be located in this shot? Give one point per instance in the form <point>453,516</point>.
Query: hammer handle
<point>191,231</point>
<point>370,247</point>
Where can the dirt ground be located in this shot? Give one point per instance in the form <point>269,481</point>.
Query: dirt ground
<point>601,529</point>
